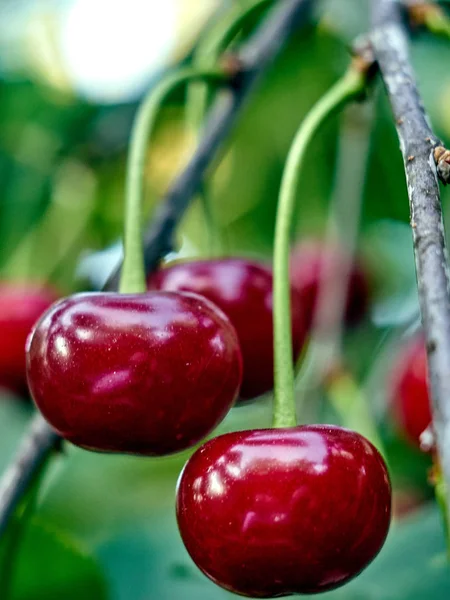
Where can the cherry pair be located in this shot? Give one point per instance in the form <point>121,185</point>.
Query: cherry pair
<point>263,513</point>
<point>155,373</point>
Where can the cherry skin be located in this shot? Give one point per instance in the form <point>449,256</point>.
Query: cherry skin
<point>269,513</point>
<point>148,374</point>
<point>21,305</point>
<point>410,399</point>
<point>243,290</point>
<point>309,260</point>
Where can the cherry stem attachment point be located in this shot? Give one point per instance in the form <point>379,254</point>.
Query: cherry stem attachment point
<point>348,88</point>
<point>132,278</point>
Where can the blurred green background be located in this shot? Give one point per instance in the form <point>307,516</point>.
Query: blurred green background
<point>71,76</point>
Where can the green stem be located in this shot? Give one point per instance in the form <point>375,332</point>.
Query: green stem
<point>208,55</point>
<point>132,279</point>
<point>437,21</point>
<point>350,86</point>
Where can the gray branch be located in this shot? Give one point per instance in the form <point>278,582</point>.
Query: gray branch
<point>419,147</point>
<point>255,58</point>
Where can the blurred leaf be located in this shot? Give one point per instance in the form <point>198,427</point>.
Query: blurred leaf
<point>413,565</point>
<point>389,249</point>
<point>346,18</point>
<point>408,466</point>
<point>150,562</point>
<point>14,416</point>
<point>51,566</point>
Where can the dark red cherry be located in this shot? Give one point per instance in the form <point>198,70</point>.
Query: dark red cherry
<point>21,305</point>
<point>144,374</point>
<point>243,290</point>
<point>311,260</point>
<point>270,513</point>
<point>410,400</point>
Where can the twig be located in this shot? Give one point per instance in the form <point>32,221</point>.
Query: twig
<point>38,443</point>
<point>255,58</point>
<point>421,150</point>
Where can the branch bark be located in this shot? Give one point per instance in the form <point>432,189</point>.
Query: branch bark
<point>255,58</point>
<point>421,150</point>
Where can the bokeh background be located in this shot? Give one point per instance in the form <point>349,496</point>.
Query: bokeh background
<point>72,73</point>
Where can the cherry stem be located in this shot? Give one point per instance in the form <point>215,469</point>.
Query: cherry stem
<point>208,55</point>
<point>132,277</point>
<point>348,88</point>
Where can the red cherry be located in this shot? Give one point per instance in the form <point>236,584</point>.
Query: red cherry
<point>410,400</point>
<point>311,258</point>
<point>144,374</point>
<point>270,513</point>
<point>21,305</point>
<point>243,290</point>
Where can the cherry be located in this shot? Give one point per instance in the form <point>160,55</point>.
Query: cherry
<point>147,374</point>
<point>21,305</point>
<point>309,260</point>
<point>409,396</point>
<point>243,290</point>
<point>270,513</point>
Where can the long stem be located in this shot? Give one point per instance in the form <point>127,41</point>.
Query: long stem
<point>347,88</point>
<point>132,278</point>
<point>209,52</point>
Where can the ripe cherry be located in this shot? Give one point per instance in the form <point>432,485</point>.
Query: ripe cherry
<point>21,305</point>
<point>144,374</point>
<point>410,399</point>
<point>309,260</point>
<point>243,290</point>
<point>270,513</point>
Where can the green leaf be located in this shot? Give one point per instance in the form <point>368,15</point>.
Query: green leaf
<point>413,565</point>
<point>150,561</point>
<point>389,249</point>
<point>51,566</point>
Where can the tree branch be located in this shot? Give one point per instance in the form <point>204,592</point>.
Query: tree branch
<point>254,59</point>
<point>421,150</point>
<point>38,443</point>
